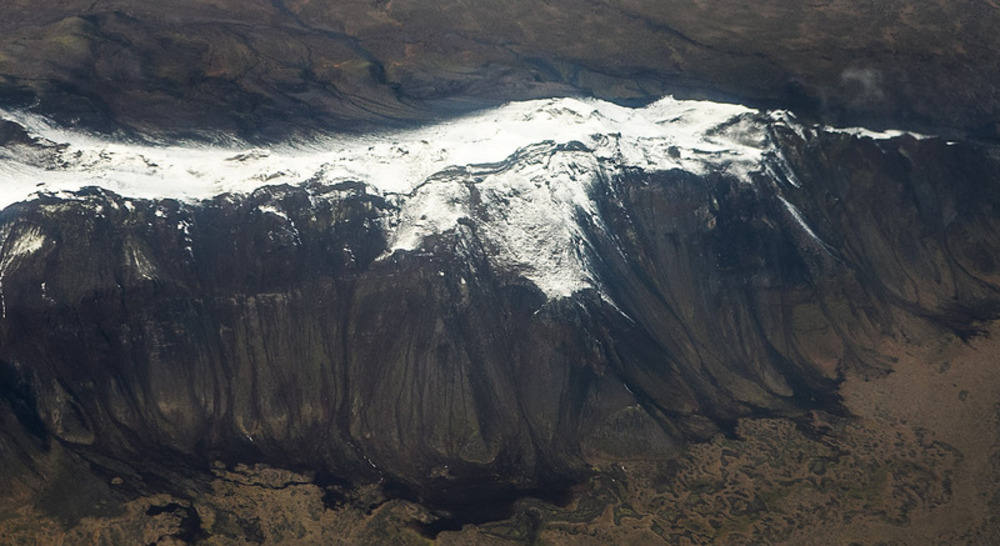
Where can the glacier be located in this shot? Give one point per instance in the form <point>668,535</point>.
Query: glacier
<point>531,165</point>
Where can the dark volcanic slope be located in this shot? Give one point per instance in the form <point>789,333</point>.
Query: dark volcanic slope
<point>272,327</point>
<point>267,67</point>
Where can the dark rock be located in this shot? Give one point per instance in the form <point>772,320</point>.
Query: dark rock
<point>268,69</point>
<point>13,133</point>
<point>274,327</point>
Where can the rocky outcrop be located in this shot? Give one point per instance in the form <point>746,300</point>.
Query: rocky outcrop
<point>150,338</point>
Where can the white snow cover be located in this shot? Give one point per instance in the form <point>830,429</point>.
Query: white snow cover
<point>533,206</point>
<point>395,161</point>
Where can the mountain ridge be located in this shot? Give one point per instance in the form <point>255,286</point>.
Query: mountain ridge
<point>288,326</point>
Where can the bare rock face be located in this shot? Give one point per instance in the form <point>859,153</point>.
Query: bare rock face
<point>150,338</point>
<point>269,68</point>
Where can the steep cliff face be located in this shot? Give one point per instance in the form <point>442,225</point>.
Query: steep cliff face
<point>493,329</point>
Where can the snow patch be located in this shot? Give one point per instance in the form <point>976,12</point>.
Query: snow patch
<point>138,260</point>
<point>433,208</point>
<point>269,209</point>
<point>537,206</point>
<point>27,240</point>
<point>797,215</point>
<point>861,132</point>
<point>16,243</point>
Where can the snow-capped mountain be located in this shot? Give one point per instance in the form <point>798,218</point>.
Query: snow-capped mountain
<point>480,306</point>
<point>526,173</point>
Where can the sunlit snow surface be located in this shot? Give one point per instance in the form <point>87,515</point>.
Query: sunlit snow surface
<point>429,171</point>
<point>391,162</point>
